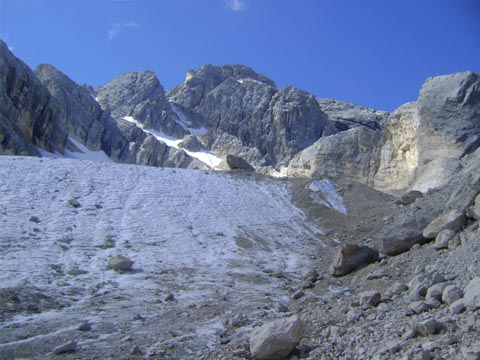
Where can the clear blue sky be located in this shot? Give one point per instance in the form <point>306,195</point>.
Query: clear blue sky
<point>375,53</point>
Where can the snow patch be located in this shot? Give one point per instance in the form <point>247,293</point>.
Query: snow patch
<point>205,156</point>
<point>332,199</point>
<point>84,154</point>
<point>186,123</point>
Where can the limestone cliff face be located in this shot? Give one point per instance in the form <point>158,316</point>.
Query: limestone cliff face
<point>29,115</point>
<point>419,146</point>
<point>426,140</point>
<point>244,111</point>
<point>141,96</point>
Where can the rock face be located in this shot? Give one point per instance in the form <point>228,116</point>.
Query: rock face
<point>276,340</point>
<point>29,115</point>
<point>236,101</point>
<point>351,257</point>
<point>141,96</point>
<point>425,140</point>
<point>352,154</point>
<point>121,140</point>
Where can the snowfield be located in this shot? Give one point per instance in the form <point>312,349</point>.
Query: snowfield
<point>225,246</point>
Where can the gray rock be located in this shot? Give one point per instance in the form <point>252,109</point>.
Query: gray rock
<point>236,101</point>
<point>457,307</point>
<point>450,294</point>
<point>84,326</point>
<point>442,239</point>
<point>120,263</point>
<point>411,196</point>
<point>452,220</point>
<point>428,327</point>
<point>402,235</point>
<point>191,143</point>
<point>68,347</point>
<point>417,307</point>
<point>29,116</point>
<point>353,315</point>
<point>371,298</point>
<point>471,297</point>
<point>435,292</point>
<point>352,154</point>
<point>350,257</point>
<point>398,288</point>
<point>471,352</point>
<point>276,339</point>
<point>74,203</point>
<point>430,346</point>
<point>237,163</point>
<point>420,284</point>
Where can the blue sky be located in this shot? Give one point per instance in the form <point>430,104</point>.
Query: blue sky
<point>375,53</point>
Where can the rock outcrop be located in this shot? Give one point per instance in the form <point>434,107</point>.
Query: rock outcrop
<point>29,116</point>
<point>236,101</point>
<point>140,96</point>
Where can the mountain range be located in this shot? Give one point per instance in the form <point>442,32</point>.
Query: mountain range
<point>232,110</point>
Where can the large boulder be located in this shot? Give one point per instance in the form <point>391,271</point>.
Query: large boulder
<point>350,257</point>
<point>237,163</point>
<point>402,235</point>
<point>452,220</point>
<point>275,340</point>
<point>471,297</point>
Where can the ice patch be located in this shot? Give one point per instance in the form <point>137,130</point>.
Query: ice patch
<point>332,198</point>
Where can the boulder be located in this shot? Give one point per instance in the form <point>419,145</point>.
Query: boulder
<point>435,292</point>
<point>237,163</point>
<point>428,327</point>
<point>442,239</point>
<point>452,220</point>
<point>471,297</point>
<point>120,263</point>
<point>402,235</point>
<point>350,257</point>
<point>450,294</point>
<point>276,339</point>
<point>371,298</point>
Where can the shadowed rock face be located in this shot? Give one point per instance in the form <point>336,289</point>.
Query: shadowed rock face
<point>236,101</point>
<point>29,116</point>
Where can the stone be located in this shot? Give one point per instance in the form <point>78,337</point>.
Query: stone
<point>350,257</point>
<point>411,196</point>
<point>353,315</point>
<point>457,307</point>
<point>68,347</point>
<point>398,288</point>
<point>120,263</point>
<point>74,203</point>
<point>371,298</point>
<point>430,346</point>
<point>276,339</point>
<point>452,220</point>
<point>428,327</point>
<point>170,297</point>
<point>417,307</point>
<point>420,284</point>
<point>471,352</point>
<point>471,297</point>
<point>402,235</point>
<point>435,291</point>
<point>35,219</point>
<point>237,163</point>
<point>442,239</point>
<point>84,326</point>
<point>298,294</point>
<point>450,294</point>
